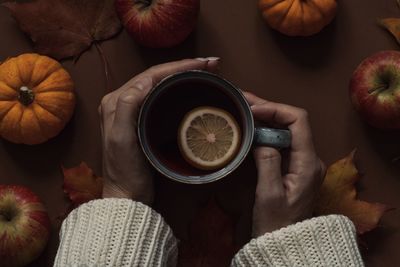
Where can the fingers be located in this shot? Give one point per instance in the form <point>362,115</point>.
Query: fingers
<point>253,99</point>
<point>126,114</point>
<point>303,162</point>
<point>128,107</point>
<point>119,114</point>
<point>294,118</point>
<point>323,171</point>
<point>142,82</point>
<point>159,72</point>
<point>149,78</point>
<point>268,162</point>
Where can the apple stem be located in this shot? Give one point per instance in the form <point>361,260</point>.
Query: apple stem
<point>144,2</point>
<point>378,89</point>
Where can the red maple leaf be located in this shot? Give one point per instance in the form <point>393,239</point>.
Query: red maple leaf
<point>81,185</point>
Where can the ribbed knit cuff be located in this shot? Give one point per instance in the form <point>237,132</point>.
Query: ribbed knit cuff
<point>322,241</point>
<point>115,232</point>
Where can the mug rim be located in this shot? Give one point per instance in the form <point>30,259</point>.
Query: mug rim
<point>195,179</point>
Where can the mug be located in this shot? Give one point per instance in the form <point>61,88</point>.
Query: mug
<point>169,101</point>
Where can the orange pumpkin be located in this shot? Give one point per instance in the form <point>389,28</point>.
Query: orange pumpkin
<point>298,17</point>
<point>36,99</point>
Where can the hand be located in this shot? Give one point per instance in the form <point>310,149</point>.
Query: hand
<point>284,198</point>
<point>125,170</point>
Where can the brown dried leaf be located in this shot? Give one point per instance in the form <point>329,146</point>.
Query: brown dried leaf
<point>81,185</point>
<point>66,28</point>
<point>210,239</point>
<point>339,196</point>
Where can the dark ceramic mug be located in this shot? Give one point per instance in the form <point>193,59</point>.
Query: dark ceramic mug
<point>169,101</point>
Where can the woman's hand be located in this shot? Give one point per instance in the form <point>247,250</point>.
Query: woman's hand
<point>125,170</point>
<point>284,197</point>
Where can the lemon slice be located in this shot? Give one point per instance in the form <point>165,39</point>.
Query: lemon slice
<point>208,138</point>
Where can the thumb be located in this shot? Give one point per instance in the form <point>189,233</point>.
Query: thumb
<point>268,162</point>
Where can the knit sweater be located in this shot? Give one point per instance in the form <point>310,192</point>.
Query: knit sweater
<point>121,232</point>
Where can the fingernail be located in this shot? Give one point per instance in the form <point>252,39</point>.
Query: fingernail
<point>213,58</point>
<point>207,58</point>
<point>201,59</point>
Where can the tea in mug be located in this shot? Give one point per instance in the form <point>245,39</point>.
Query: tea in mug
<point>169,110</point>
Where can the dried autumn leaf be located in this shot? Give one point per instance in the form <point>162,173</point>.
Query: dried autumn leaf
<point>393,26</point>
<point>81,185</point>
<point>210,240</point>
<point>339,196</point>
<point>65,28</point>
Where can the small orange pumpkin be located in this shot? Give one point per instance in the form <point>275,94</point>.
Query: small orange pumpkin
<point>36,99</point>
<point>298,17</point>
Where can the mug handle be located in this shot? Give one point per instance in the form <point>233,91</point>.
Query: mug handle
<point>277,138</point>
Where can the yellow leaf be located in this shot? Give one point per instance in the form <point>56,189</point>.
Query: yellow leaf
<point>392,25</point>
<point>338,195</point>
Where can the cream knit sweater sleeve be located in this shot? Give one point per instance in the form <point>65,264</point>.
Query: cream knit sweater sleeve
<point>115,232</point>
<point>121,232</point>
<point>322,241</point>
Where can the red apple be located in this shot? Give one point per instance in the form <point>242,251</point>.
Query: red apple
<point>158,23</point>
<point>375,90</point>
<point>24,226</point>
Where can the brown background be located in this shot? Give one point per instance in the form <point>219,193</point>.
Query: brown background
<point>312,73</point>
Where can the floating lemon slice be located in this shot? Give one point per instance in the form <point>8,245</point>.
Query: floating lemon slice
<point>208,138</point>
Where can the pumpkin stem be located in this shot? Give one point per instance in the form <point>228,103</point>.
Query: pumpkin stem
<point>26,96</point>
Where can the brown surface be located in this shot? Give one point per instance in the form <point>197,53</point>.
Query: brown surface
<point>312,73</point>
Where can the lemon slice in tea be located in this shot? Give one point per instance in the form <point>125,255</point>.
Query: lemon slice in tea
<point>208,138</point>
